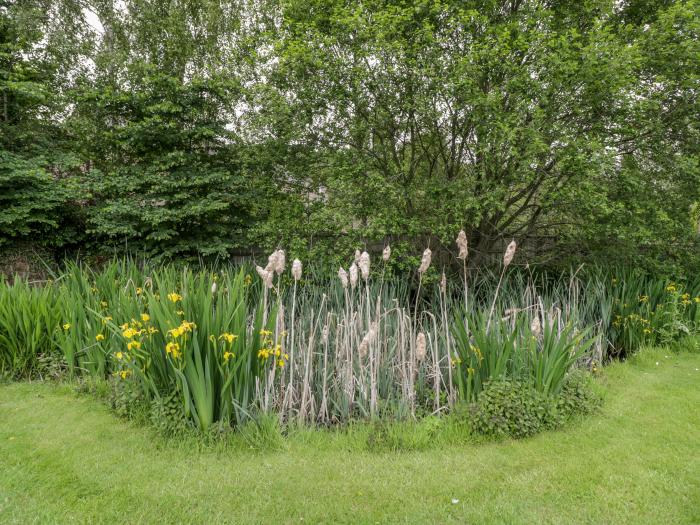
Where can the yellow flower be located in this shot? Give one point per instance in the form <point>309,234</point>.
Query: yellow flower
<point>171,347</point>
<point>230,338</point>
<point>228,355</point>
<point>66,326</point>
<point>470,370</point>
<point>265,332</point>
<point>647,331</point>
<point>187,326</point>
<point>644,299</point>
<point>104,304</point>
<point>697,299</point>
<point>280,363</point>
<point>152,330</point>
<point>174,297</point>
<point>119,355</point>
<point>139,291</point>
<point>671,288</point>
<point>130,332</point>
<point>133,344</point>
<point>145,318</point>
<point>105,319</point>
<point>124,374</point>
<point>124,326</point>
<point>99,337</point>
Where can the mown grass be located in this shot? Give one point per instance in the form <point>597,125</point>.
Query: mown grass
<point>65,458</point>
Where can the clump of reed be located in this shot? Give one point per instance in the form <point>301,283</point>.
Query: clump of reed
<point>283,341</point>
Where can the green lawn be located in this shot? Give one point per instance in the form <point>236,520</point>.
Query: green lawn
<point>65,458</point>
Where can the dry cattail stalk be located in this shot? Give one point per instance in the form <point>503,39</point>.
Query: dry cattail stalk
<point>510,252</point>
<point>364,265</point>
<point>367,339</point>
<point>353,275</point>
<point>265,275</point>
<point>280,262</point>
<point>213,288</point>
<point>343,276</point>
<point>536,326</point>
<point>462,245</point>
<point>443,283</point>
<point>386,253</point>
<point>425,261</point>
<point>358,254</point>
<point>296,269</point>
<point>420,347</point>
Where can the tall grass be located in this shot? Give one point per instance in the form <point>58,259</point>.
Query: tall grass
<point>236,343</point>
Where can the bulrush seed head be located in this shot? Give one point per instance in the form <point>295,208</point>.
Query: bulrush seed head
<point>271,262</point>
<point>213,288</point>
<point>296,269</point>
<point>386,253</point>
<point>364,265</point>
<point>358,254</point>
<point>343,276</point>
<point>425,261</point>
<point>510,252</point>
<point>367,339</point>
<point>443,283</point>
<point>462,245</point>
<point>536,326</point>
<point>265,275</point>
<point>353,275</point>
<point>280,262</point>
<point>420,347</point>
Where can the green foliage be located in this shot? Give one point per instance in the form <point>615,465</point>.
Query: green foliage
<point>578,395</point>
<point>165,178</point>
<point>28,320</point>
<point>507,408</point>
<point>198,129</point>
<point>263,433</point>
<point>166,414</point>
<point>399,436</point>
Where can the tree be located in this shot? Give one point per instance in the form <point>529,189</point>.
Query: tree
<point>34,156</point>
<point>511,119</point>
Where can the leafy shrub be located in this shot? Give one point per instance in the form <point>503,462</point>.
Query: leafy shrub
<point>577,396</point>
<point>167,415</point>
<point>127,400</point>
<point>509,408</point>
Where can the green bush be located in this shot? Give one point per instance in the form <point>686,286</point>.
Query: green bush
<point>577,396</point>
<point>167,415</point>
<point>508,408</point>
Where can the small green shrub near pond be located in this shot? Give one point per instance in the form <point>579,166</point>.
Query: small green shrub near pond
<point>508,408</point>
